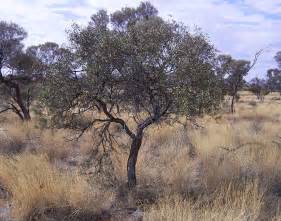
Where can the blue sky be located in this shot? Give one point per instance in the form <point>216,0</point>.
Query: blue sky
<point>237,27</point>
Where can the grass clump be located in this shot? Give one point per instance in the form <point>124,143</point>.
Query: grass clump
<point>36,186</point>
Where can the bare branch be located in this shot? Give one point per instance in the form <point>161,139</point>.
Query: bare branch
<point>257,55</point>
<point>5,110</point>
<point>115,119</point>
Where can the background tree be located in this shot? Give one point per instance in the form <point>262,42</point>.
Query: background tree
<point>21,71</point>
<point>274,75</point>
<point>274,80</point>
<point>259,87</point>
<point>277,58</point>
<point>15,64</point>
<point>132,69</point>
<point>233,72</point>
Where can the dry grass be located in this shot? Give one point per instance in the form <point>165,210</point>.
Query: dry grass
<point>36,186</point>
<point>232,151</point>
<point>228,203</point>
<point>18,137</point>
<point>230,169</point>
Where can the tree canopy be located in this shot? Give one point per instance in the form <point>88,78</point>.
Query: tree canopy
<point>135,62</point>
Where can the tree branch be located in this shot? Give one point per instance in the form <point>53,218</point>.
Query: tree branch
<point>257,55</point>
<point>115,119</point>
<point>5,110</point>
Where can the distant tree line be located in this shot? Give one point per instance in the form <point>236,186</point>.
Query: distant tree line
<point>131,65</point>
<point>271,83</point>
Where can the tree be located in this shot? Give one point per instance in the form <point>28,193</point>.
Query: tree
<point>274,79</point>
<point>274,75</point>
<point>15,64</point>
<point>259,87</point>
<point>233,72</point>
<point>277,58</point>
<point>131,66</point>
<point>21,71</point>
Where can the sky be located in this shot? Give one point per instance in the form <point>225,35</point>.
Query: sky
<point>236,27</point>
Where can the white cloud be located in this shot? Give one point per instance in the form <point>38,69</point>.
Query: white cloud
<point>237,27</point>
<point>267,6</point>
<point>40,22</point>
<point>231,27</point>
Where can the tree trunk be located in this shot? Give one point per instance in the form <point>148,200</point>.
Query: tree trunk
<point>23,108</point>
<point>132,160</point>
<point>25,112</point>
<point>232,109</point>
